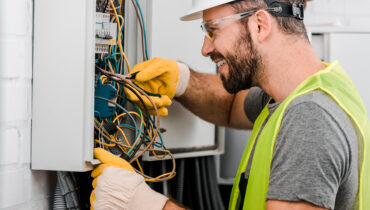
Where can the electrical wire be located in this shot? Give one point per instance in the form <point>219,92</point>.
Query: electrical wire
<point>114,76</point>
<point>144,30</point>
<point>163,177</point>
<point>140,131</point>
<point>110,71</point>
<point>119,35</point>
<point>139,17</point>
<point>136,146</point>
<point>119,106</point>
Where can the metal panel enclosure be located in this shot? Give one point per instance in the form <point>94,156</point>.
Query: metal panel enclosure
<point>169,37</point>
<point>63,85</point>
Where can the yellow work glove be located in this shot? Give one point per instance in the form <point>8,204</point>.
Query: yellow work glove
<point>118,186</point>
<point>165,77</point>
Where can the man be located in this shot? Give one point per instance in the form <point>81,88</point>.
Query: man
<point>309,145</point>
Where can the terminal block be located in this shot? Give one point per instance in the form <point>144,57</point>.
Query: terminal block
<point>105,33</point>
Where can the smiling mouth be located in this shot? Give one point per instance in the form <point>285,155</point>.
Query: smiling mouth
<point>220,63</point>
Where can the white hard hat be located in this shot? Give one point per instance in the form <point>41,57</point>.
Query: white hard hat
<point>198,6</point>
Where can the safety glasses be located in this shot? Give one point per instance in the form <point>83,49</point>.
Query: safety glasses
<point>210,26</point>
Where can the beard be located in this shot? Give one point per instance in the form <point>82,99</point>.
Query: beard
<point>245,65</point>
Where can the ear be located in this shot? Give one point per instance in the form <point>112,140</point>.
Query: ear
<point>263,23</point>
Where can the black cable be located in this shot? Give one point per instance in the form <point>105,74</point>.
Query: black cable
<point>212,185</point>
<point>106,5</point>
<point>146,128</point>
<point>117,105</point>
<point>189,183</point>
<point>198,185</point>
<point>206,192</point>
<point>211,169</point>
<point>123,8</point>
<point>180,181</point>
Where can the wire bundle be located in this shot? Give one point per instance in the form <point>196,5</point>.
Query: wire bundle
<point>111,132</point>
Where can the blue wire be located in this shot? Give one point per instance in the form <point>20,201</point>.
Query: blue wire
<point>159,134</point>
<point>97,114</point>
<point>142,18</point>
<point>154,143</point>
<point>123,109</point>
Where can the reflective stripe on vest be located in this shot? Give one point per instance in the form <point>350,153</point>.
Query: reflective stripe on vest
<point>334,82</point>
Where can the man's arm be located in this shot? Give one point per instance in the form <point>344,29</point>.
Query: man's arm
<point>170,205</point>
<point>270,205</point>
<point>206,97</point>
<point>202,94</point>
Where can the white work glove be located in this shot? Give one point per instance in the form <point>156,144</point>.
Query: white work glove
<point>118,188</point>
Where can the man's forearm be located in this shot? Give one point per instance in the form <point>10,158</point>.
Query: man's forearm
<point>206,97</point>
<point>171,205</point>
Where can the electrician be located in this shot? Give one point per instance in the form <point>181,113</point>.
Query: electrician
<point>309,146</point>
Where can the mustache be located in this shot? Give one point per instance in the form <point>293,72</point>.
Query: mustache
<point>215,56</point>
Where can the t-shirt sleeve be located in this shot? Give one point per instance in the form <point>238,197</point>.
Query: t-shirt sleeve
<point>309,157</point>
<point>254,103</point>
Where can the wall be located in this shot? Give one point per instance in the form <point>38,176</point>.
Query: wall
<point>20,187</point>
<point>338,12</point>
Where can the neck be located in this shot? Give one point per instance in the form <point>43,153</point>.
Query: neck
<point>288,66</point>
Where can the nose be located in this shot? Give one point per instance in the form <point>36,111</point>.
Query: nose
<point>207,46</point>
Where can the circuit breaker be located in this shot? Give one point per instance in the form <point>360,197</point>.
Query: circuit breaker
<point>105,32</point>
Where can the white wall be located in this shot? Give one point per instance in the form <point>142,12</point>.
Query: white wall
<point>338,12</point>
<point>20,187</point>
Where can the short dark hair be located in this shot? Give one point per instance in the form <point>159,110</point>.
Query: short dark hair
<point>288,25</point>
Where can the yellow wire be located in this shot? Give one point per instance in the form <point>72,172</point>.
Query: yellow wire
<point>160,176</point>
<point>149,134</point>
<point>100,125</point>
<point>138,164</point>
<point>123,114</point>
<point>124,136</point>
<point>114,18</point>
<point>119,35</point>
<point>141,123</point>
<point>104,80</point>
<point>124,149</point>
<point>113,71</point>
<point>140,168</point>
<point>155,154</point>
<point>105,144</point>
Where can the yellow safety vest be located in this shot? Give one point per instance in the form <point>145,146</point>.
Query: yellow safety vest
<point>334,82</point>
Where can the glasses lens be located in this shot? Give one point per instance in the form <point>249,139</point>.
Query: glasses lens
<point>206,29</point>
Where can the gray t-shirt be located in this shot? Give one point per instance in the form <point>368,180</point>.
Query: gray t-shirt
<point>315,154</point>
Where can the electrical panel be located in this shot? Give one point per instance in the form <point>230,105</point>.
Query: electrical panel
<point>186,134</point>
<point>63,85</point>
<point>79,78</point>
